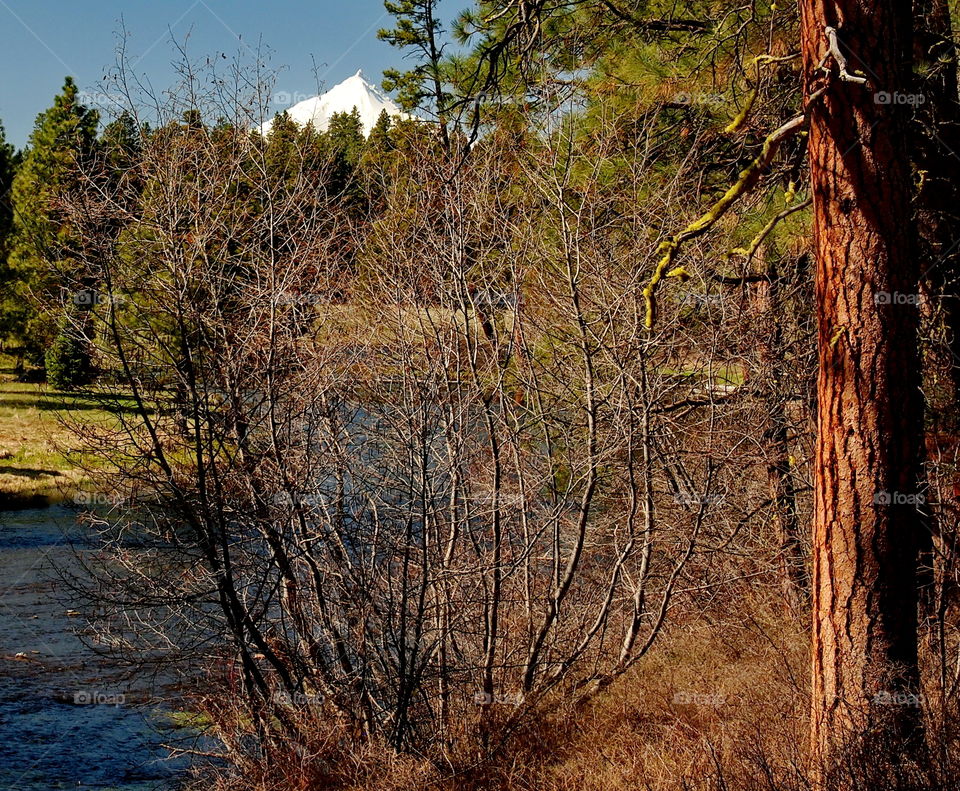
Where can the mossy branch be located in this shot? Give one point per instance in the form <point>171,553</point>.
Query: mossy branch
<point>751,251</point>
<point>741,118</point>
<point>747,180</point>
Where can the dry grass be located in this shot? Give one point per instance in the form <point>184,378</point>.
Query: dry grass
<point>718,704</point>
<point>34,446</point>
<point>714,703</point>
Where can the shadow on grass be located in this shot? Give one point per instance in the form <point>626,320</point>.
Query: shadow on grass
<point>27,472</point>
<point>70,402</point>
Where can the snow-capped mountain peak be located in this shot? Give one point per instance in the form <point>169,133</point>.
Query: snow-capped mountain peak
<point>353,92</point>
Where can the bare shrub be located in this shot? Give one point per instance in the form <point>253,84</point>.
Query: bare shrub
<point>407,478</point>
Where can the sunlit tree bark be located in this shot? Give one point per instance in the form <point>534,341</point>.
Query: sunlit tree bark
<point>867,524</point>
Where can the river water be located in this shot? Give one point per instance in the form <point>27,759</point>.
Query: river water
<point>69,719</point>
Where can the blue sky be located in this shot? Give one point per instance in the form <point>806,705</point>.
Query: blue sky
<point>41,41</point>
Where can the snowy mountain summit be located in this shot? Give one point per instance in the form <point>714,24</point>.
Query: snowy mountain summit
<point>355,91</point>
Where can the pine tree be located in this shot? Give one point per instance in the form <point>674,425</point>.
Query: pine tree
<point>868,523</point>
<point>379,138</point>
<point>345,133</point>
<point>419,30</point>
<point>63,136</point>
<point>68,361</point>
<point>121,144</point>
<point>344,142</point>
<point>280,147</point>
<point>8,163</point>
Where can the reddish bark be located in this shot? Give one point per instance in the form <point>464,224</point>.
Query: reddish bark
<point>869,413</point>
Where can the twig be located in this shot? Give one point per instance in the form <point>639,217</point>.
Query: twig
<point>751,251</point>
<point>834,52</point>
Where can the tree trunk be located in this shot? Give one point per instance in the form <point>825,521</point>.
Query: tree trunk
<point>793,565</point>
<point>867,525</point>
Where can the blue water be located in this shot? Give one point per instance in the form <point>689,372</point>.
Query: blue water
<point>69,719</point>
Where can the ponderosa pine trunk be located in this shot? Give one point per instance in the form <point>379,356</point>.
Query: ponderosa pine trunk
<point>867,525</point>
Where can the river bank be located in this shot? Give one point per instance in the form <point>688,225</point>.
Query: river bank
<point>35,445</point>
<point>41,463</point>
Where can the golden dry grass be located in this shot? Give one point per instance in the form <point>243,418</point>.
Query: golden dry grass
<point>713,703</point>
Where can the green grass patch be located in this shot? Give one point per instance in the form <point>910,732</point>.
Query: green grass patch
<point>41,458</point>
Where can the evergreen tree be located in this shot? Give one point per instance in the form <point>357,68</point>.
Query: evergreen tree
<point>8,163</point>
<point>281,146</point>
<point>345,134</point>
<point>870,437</point>
<point>68,361</point>
<point>378,151</point>
<point>379,138</point>
<point>63,136</point>
<point>121,143</point>
<point>344,142</point>
<point>418,30</point>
